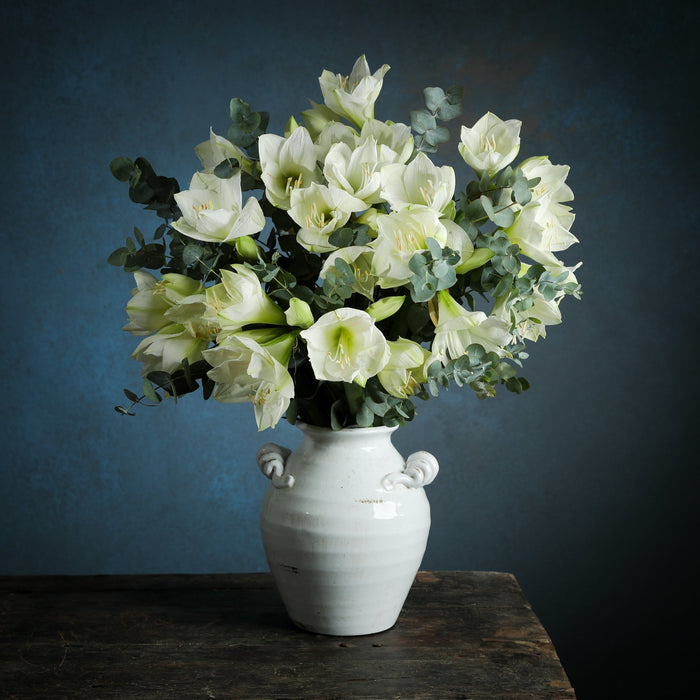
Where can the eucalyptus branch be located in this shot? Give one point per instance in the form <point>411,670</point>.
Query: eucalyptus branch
<point>495,211</point>
<point>419,141</point>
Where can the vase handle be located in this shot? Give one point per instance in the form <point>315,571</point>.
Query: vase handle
<point>271,459</point>
<point>420,470</point>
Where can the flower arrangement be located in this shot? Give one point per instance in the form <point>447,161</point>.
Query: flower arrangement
<point>355,277</point>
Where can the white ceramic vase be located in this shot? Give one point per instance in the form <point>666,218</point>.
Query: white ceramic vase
<point>344,524</point>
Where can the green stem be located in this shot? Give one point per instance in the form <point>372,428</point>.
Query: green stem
<point>498,211</point>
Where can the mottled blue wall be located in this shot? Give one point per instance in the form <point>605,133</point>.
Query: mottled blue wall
<point>582,487</point>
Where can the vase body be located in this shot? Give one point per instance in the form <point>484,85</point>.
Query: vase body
<point>344,525</point>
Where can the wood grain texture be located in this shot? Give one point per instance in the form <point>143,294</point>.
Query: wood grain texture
<point>467,635</point>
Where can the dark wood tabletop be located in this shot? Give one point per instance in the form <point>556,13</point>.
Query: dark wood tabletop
<point>469,635</point>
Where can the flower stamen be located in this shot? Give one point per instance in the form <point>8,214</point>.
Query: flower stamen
<point>292,183</point>
<point>204,206</point>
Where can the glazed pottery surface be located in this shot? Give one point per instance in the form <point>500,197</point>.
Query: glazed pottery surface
<point>345,524</point>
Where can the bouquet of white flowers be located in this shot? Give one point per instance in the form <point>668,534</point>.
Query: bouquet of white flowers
<point>354,277</point>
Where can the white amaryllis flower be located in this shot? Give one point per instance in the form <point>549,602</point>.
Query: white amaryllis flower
<point>184,331</point>
<point>490,144</point>
<point>559,269</point>
<point>529,323</point>
<point>528,316</point>
<point>356,171</point>
<point>168,348</point>
<point>359,257</point>
<point>405,370</point>
<point>419,182</point>
<point>239,300</point>
<point>333,133</point>
<point>457,328</point>
<point>541,229</point>
<point>218,149</point>
<point>318,118</point>
<point>319,210</point>
<point>287,164</point>
<point>403,233</point>
<point>252,366</point>
<point>147,306</point>
<point>394,140</point>
<point>353,96</point>
<point>212,210</point>
<point>153,298</point>
<point>344,345</point>
<point>552,184</point>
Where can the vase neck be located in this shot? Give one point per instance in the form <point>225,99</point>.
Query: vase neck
<point>346,436</point>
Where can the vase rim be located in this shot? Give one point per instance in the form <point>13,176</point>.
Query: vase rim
<point>355,429</point>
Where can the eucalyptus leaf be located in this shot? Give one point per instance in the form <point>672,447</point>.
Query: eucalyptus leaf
<point>418,264</point>
<point>513,384</point>
<point>123,411</point>
<point>447,111</point>
<point>504,217</point>
<point>475,210</point>
<point>422,120</point>
<point>342,237</point>
<point>521,193</point>
<point>511,264</point>
<point>192,253</point>
<point>499,243</point>
<point>454,94</point>
<point>118,257</point>
<point>524,304</point>
<point>163,380</point>
<point>336,416</point>
<point>447,278</point>
<point>434,97</point>
<point>122,168</point>
<point>476,352</point>
<point>239,110</point>
<point>362,236</point>
<point>139,236</point>
<point>227,168</point>
<point>437,135</point>
<point>131,396</point>
<point>422,145</point>
<point>150,393</point>
<point>241,137</point>
<point>434,247</point>
<point>440,268</point>
<point>364,416</point>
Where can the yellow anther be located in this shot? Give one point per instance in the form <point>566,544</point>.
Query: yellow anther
<point>259,397</point>
<point>292,183</point>
<point>203,206</point>
<point>362,275</point>
<point>428,191</point>
<point>340,356</point>
<point>488,143</point>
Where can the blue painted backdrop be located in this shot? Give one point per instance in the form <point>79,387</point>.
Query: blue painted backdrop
<point>582,487</point>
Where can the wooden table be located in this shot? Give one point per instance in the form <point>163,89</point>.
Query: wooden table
<point>461,635</point>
